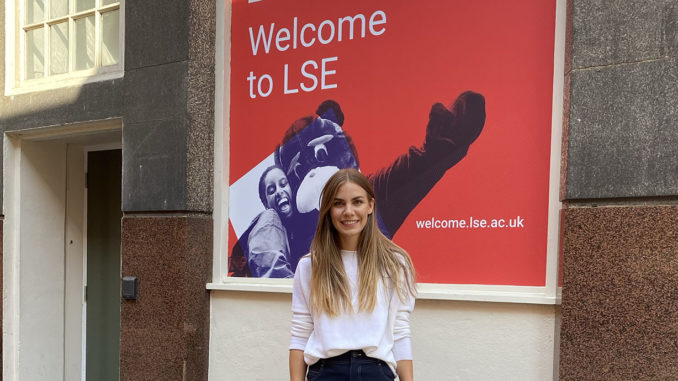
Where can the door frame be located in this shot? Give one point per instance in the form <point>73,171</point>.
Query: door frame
<point>31,185</point>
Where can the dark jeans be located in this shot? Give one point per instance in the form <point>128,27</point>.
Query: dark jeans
<point>350,366</point>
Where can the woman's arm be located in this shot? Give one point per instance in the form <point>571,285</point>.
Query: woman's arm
<point>297,365</point>
<point>405,370</point>
<point>402,346</point>
<point>268,249</point>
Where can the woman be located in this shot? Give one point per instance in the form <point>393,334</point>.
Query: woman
<point>352,294</point>
<point>267,245</point>
<point>277,237</point>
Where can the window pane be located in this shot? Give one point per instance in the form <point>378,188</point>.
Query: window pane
<point>83,5</point>
<point>58,48</point>
<point>107,2</point>
<point>35,11</point>
<point>110,47</point>
<point>35,56</point>
<point>84,43</point>
<point>58,8</point>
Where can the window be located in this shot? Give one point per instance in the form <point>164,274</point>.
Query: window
<point>61,39</point>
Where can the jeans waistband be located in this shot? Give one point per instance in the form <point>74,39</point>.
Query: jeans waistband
<point>349,354</point>
<point>346,357</point>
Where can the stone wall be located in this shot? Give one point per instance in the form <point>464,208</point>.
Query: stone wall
<point>620,250</point>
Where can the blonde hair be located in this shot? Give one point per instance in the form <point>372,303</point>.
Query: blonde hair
<point>379,259</point>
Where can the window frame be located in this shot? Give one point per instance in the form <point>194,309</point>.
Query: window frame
<point>15,73</point>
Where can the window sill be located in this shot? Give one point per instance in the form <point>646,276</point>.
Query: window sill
<point>475,293</point>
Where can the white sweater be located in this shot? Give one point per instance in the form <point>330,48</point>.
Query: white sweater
<point>383,333</point>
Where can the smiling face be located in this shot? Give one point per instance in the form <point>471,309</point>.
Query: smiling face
<point>350,210</point>
<point>278,192</point>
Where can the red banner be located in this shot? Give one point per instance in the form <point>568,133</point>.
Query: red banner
<point>463,188</point>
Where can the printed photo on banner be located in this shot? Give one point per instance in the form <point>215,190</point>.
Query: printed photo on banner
<point>444,105</point>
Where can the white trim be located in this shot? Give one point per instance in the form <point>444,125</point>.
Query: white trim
<point>221,140</point>
<point>83,367</point>
<point>554,205</point>
<point>432,291</point>
<point>74,251</point>
<point>66,131</point>
<point>548,294</point>
<point>11,248</point>
<point>101,147</point>
<point>253,284</point>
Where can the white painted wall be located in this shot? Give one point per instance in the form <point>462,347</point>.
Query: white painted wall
<point>452,340</point>
<point>41,268</point>
<point>74,252</point>
<point>43,335</point>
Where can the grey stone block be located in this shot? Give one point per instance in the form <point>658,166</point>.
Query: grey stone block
<point>623,135</point>
<point>94,101</point>
<point>91,102</point>
<point>610,32</point>
<point>155,93</point>
<point>154,166</point>
<point>156,32</point>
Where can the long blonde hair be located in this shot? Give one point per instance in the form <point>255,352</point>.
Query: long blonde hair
<point>379,259</point>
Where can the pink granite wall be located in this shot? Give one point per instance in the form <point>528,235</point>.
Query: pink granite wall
<point>165,332</point>
<point>620,294</point>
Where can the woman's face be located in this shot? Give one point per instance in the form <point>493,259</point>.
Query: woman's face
<point>350,208</point>
<point>278,192</point>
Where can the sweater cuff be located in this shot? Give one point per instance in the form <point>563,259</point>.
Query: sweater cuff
<point>402,349</point>
<point>298,343</point>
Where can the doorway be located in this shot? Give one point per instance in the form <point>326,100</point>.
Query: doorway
<point>103,182</point>
<point>61,246</point>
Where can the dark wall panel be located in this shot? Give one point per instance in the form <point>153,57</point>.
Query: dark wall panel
<point>623,140</point>
<point>169,85</point>
<point>612,32</point>
<point>155,138</point>
<point>154,166</point>
<point>155,93</point>
<point>156,32</point>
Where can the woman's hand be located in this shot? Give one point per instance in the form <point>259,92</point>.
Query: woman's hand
<point>405,370</point>
<point>297,365</point>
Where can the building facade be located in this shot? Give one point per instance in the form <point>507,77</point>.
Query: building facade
<point>133,95</point>
<point>153,111</point>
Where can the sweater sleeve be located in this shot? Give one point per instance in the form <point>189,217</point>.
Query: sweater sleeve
<point>402,346</point>
<point>302,322</point>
